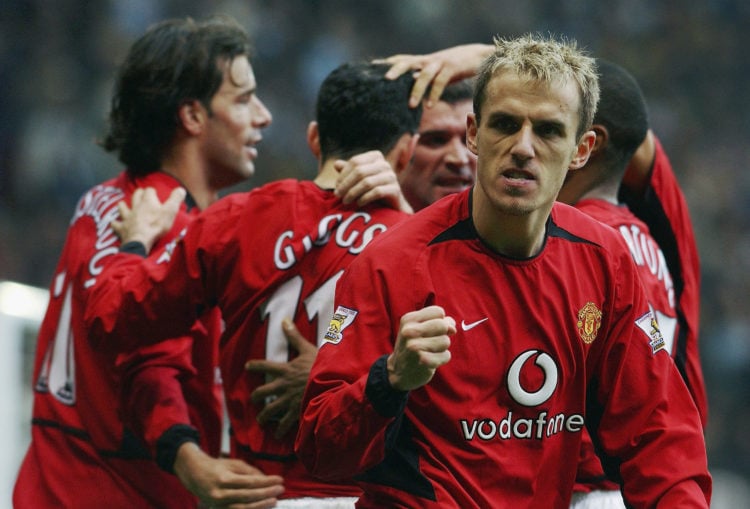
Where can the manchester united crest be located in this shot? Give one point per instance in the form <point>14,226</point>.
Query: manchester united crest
<point>589,321</point>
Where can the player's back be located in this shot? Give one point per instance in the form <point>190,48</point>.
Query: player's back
<point>80,454</point>
<point>648,257</point>
<point>296,240</point>
<point>664,208</point>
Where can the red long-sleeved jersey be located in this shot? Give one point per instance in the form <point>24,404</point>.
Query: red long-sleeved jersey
<point>274,252</point>
<point>81,454</point>
<point>541,343</point>
<point>664,209</point>
<point>659,288</point>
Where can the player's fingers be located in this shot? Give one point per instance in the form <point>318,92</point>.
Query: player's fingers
<point>149,195</point>
<point>239,467</point>
<point>251,498</point>
<point>264,366</point>
<point>434,360</point>
<point>117,227</point>
<point>137,196</point>
<point>426,313</point>
<point>272,388</point>
<point>399,65</point>
<point>272,410</point>
<point>176,197</point>
<point>360,174</point>
<point>287,422</point>
<point>369,179</point>
<point>439,83</point>
<point>295,337</point>
<point>439,326</point>
<point>123,209</point>
<point>423,82</point>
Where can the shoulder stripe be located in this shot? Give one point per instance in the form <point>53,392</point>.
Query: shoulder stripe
<point>463,230</point>
<point>553,230</point>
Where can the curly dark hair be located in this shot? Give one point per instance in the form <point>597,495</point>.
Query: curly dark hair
<point>174,62</point>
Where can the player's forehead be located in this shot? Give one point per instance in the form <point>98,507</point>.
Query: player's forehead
<point>509,93</point>
<point>445,116</point>
<point>238,74</point>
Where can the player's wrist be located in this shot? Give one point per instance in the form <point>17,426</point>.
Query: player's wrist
<point>387,400</point>
<point>170,444</point>
<point>134,247</point>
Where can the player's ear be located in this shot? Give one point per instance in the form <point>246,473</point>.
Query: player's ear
<point>192,115</point>
<point>602,138</point>
<point>405,150</point>
<point>583,150</point>
<point>313,138</point>
<point>471,133</point>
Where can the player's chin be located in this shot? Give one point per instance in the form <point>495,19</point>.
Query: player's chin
<point>446,190</point>
<point>246,169</point>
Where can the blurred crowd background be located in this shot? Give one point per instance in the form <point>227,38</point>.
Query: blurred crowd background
<point>57,61</point>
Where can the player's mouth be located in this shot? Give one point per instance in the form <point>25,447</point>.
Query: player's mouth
<point>251,148</point>
<point>517,177</point>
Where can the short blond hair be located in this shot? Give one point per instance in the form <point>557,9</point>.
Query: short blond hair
<point>543,58</point>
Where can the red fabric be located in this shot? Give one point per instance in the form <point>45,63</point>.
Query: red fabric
<point>482,431</point>
<point>78,430</point>
<point>272,253</point>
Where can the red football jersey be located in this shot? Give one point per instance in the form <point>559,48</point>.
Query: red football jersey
<point>659,288</point>
<point>81,454</point>
<point>274,252</point>
<point>541,343</point>
<point>664,208</point>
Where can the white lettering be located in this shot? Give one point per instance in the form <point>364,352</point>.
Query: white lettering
<point>288,253</point>
<point>526,428</point>
<point>353,234</point>
<point>574,423</point>
<point>325,227</point>
<point>487,429</point>
<point>100,205</point>
<point>646,253</point>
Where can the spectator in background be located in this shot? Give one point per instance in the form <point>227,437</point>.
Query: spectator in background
<point>271,257</point>
<point>425,420</point>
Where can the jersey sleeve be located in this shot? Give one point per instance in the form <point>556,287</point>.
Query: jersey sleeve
<point>663,207</point>
<point>154,406</point>
<point>153,299</point>
<point>639,410</point>
<point>350,408</point>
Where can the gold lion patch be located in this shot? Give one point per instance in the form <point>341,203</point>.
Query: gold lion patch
<point>341,319</point>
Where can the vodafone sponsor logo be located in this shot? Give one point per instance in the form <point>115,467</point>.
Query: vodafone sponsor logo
<point>543,425</point>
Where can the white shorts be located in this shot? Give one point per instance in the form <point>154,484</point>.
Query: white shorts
<point>317,503</point>
<point>603,499</point>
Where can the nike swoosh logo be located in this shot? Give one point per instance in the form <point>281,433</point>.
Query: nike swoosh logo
<point>468,326</point>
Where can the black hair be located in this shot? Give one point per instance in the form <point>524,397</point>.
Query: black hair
<point>358,109</point>
<point>622,110</point>
<point>457,91</point>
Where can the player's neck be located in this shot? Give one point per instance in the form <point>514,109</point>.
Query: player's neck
<point>604,193</point>
<point>193,178</point>
<point>327,175</point>
<point>515,235</point>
